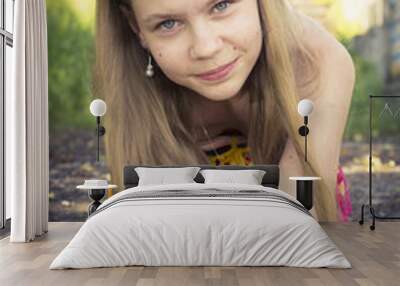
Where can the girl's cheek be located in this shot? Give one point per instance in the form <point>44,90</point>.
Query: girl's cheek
<point>167,66</point>
<point>158,56</point>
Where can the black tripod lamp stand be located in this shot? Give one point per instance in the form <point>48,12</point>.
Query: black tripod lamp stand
<point>98,108</point>
<point>305,108</point>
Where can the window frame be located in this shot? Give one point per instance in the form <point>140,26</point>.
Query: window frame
<point>6,39</point>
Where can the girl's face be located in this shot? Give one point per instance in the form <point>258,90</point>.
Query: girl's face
<point>208,46</point>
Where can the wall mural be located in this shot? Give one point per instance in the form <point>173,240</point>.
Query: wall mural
<point>74,83</point>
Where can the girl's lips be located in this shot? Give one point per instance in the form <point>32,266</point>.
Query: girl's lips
<point>218,73</point>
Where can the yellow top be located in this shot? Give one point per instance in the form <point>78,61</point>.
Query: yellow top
<point>236,155</point>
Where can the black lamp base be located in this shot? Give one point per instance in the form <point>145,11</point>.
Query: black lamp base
<point>96,195</point>
<point>100,130</point>
<point>304,193</point>
<point>303,130</point>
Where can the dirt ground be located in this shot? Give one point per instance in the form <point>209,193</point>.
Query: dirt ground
<point>73,159</point>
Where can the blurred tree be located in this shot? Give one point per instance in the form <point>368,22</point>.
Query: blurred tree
<point>351,18</point>
<point>344,18</point>
<point>85,10</point>
<point>367,83</point>
<point>70,45</point>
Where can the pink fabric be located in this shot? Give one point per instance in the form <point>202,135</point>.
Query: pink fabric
<point>343,195</point>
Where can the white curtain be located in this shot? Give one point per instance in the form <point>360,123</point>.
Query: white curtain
<point>27,142</point>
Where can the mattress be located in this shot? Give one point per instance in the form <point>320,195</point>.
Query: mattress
<point>201,225</point>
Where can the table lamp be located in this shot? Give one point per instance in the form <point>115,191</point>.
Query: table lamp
<point>305,108</point>
<point>98,108</point>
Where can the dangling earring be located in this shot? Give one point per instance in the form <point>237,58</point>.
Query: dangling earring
<point>150,68</point>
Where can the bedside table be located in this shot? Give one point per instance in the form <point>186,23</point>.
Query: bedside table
<point>304,190</point>
<point>96,194</point>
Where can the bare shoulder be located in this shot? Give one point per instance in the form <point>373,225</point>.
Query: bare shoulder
<point>332,59</point>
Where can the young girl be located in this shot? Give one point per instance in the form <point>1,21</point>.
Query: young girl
<point>183,78</point>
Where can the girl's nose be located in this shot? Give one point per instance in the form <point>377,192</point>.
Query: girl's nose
<point>206,42</point>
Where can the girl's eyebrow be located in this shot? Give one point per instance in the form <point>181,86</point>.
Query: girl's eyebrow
<point>159,16</point>
<point>153,17</point>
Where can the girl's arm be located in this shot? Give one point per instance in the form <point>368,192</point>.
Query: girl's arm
<point>327,122</point>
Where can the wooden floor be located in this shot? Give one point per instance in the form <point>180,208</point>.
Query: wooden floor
<point>375,257</point>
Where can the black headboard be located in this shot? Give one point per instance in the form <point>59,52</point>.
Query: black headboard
<point>270,179</point>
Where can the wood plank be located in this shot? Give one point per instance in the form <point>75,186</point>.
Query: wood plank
<point>375,257</point>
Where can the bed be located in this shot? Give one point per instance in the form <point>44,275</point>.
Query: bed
<point>201,224</point>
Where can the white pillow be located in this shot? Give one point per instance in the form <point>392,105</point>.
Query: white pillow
<point>167,175</point>
<point>248,177</point>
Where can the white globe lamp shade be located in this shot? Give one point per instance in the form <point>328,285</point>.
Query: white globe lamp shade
<point>98,107</point>
<point>305,107</point>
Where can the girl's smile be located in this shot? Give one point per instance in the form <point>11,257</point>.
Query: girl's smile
<point>220,73</point>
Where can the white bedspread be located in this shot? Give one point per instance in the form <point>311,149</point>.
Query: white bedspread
<point>200,231</point>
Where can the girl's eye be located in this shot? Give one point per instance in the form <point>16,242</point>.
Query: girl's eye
<point>221,6</point>
<point>167,24</point>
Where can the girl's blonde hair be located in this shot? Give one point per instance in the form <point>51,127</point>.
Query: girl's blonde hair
<point>147,119</point>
